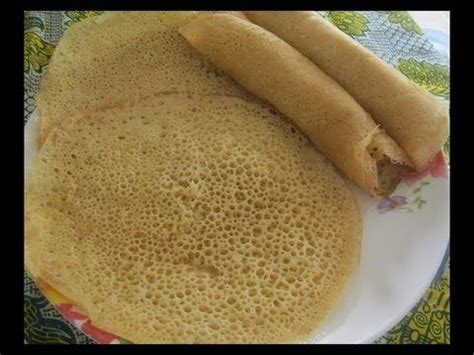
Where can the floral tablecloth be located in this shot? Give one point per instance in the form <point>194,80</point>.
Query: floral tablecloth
<point>394,36</point>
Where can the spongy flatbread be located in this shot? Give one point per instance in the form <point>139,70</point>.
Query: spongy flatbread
<point>415,118</point>
<point>191,219</point>
<point>273,70</point>
<point>123,55</point>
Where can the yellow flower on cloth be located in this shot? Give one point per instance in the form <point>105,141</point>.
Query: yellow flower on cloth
<point>37,52</point>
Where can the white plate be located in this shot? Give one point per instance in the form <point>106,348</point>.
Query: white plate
<point>401,253</point>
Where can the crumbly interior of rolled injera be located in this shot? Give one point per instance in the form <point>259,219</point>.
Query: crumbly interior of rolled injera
<point>192,220</point>
<point>391,163</point>
<point>119,56</point>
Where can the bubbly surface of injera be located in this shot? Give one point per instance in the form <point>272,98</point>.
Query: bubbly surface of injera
<point>124,55</point>
<point>191,219</point>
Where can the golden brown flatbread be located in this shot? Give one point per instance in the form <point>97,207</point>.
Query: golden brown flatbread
<point>416,119</point>
<point>273,70</point>
<point>191,219</point>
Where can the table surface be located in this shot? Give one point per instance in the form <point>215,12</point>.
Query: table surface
<point>427,322</point>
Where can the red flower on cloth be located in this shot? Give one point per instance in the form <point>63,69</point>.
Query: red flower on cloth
<point>101,336</point>
<point>437,168</point>
<point>84,323</point>
<point>71,314</point>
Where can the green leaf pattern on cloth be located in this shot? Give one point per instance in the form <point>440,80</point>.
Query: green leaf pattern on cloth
<point>393,36</point>
<point>405,20</point>
<point>77,16</point>
<point>33,22</point>
<point>351,22</point>
<point>37,52</point>
<point>446,149</point>
<point>431,76</point>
